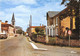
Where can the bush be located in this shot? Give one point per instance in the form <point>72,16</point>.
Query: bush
<point>39,30</point>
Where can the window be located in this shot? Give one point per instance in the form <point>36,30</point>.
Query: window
<point>56,31</point>
<point>3,25</point>
<point>57,21</point>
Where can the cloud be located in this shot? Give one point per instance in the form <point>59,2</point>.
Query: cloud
<point>2,13</point>
<point>18,9</point>
<point>19,1</point>
<point>22,12</point>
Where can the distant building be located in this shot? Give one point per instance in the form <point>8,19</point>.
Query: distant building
<point>52,23</point>
<point>13,20</point>
<point>31,29</point>
<point>18,27</point>
<point>59,22</point>
<point>7,28</point>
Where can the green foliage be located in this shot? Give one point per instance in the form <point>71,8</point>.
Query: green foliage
<point>24,33</point>
<point>73,6</point>
<point>20,31</point>
<point>39,30</point>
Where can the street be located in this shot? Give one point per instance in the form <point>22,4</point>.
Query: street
<point>20,46</point>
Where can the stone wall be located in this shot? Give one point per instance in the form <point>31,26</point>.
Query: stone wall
<point>64,42</point>
<point>41,39</point>
<point>58,41</point>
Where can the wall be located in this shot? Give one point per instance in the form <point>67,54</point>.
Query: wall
<point>65,23</point>
<point>64,42</point>
<point>58,41</point>
<point>0,26</point>
<point>33,30</point>
<point>11,31</point>
<point>41,39</point>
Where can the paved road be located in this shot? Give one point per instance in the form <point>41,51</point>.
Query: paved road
<point>20,46</point>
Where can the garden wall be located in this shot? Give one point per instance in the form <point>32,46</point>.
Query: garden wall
<point>58,41</point>
<point>65,42</point>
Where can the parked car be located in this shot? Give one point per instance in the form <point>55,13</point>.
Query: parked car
<point>3,36</point>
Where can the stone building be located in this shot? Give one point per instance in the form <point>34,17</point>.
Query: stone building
<point>6,28</point>
<point>59,22</point>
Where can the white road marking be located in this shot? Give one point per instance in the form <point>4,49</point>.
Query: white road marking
<point>73,52</point>
<point>36,48</point>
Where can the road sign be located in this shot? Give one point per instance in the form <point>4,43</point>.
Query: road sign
<point>69,32</point>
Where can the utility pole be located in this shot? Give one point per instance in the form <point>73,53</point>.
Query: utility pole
<point>69,32</point>
<point>30,20</point>
<point>30,23</point>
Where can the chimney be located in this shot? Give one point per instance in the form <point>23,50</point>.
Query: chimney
<point>6,22</point>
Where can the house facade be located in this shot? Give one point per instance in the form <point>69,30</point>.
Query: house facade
<point>52,23</point>
<point>57,26</point>
<point>7,29</point>
<point>33,28</point>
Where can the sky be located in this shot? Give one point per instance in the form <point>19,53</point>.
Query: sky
<point>22,10</point>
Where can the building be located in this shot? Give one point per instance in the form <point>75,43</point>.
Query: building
<point>6,28</point>
<point>18,27</point>
<point>13,20</point>
<point>58,23</point>
<point>52,24</point>
<point>33,28</point>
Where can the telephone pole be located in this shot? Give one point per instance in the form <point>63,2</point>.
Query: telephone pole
<point>30,24</point>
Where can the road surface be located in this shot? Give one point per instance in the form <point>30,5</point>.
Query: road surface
<point>20,46</point>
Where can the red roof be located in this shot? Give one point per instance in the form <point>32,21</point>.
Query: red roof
<point>7,25</point>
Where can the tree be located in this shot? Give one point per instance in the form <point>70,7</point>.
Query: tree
<point>37,29</point>
<point>20,31</point>
<point>42,30</point>
<point>28,30</point>
<point>74,6</point>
